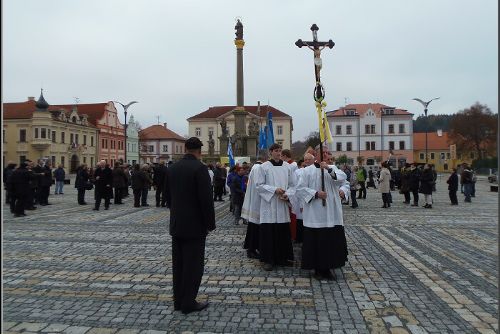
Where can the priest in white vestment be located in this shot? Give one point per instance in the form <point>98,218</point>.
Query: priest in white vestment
<point>324,246</point>
<point>274,184</point>
<point>251,211</point>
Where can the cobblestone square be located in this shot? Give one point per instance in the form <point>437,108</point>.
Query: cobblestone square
<point>68,269</point>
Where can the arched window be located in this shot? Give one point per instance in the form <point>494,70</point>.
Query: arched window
<point>73,119</point>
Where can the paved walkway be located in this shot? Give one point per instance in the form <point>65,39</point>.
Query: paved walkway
<point>69,269</point>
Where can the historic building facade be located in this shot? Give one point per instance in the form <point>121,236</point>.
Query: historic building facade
<point>208,122</point>
<point>372,133</point>
<point>132,141</point>
<point>442,152</point>
<point>104,116</point>
<point>36,130</point>
<point>158,143</point>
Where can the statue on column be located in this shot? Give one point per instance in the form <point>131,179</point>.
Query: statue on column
<point>253,128</point>
<point>239,30</point>
<point>211,145</point>
<point>223,125</point>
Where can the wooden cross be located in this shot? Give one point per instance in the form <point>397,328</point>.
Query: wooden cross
<point>316,46</point>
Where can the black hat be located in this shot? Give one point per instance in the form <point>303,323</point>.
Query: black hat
<point>193,143</point>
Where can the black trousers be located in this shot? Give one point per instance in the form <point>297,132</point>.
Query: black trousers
<point>362,190</point>
<point>218,189</point>
<point>44,193</point>
<point>160,197</point>
<point>137,197</point>
<point>299,235</point>
<point>407,196</point>
<point>118,195</point>
<point>354,203</point>
<point>386,199</point>
<point>99,197</point>
<point>81,195</point>
<point>188,260</point>
<point>415,196</point>
<point>453,196</point>
<point>29,199</point>
<point>19,203</point>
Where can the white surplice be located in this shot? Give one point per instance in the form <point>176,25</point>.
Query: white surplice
<point>295,201</point>
<point>315,215</point>
<point>269,177</point>
<point>251,205</point>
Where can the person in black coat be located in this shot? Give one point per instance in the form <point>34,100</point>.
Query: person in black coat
<point>453,187</point>
<point>426,184</point>
<point>140,184</point>
<point>81,183</point>
<point>45,184</point>
<point>19,188</point>
<point>159,182</point>
<point>119,182</point>
<point>7,173</point>
<point>192,216</point>
<point>219,182</point>
<point>414,183</point>
<point>103,177</point>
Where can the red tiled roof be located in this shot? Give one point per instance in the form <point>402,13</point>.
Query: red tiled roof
<point>19,110</point>
<point>434,142</point>
<point>94,111</point>
<point>361,109</point>
<point>217,111</point>
<point>159,132</point>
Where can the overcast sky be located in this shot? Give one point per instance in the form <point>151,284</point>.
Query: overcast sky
<point>177,58</point>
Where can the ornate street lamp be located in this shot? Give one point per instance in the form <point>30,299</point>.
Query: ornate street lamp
<point>425,104</point>
<point>125,107</point>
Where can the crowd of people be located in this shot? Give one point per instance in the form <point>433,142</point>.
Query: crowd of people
<point>280,201</point>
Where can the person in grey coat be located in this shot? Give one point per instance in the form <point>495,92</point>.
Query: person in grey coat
<point>385,184</point>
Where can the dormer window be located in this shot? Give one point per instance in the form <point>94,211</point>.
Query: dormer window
<point>388,111</point>
<point>350,112</point>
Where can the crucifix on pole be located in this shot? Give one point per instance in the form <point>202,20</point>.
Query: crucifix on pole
<point>319,92</point>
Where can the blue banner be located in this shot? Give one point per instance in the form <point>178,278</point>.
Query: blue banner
<point>230,154</point>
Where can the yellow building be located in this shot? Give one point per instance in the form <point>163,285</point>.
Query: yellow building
<point>34,130</point>
<point>208,122</point>
<point>441,151</point>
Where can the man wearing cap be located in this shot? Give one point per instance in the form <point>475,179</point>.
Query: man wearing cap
<point>189,196</point>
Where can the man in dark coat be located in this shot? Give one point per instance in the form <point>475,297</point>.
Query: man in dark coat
<point>119,182</point>
<point>35,183</point>
<point>45,184</point>
<point>19,188</point>
<point>7,172</point>
<point>219,182</point>
<point>81,183</point>
<point>103,177</point>
<point>159,183</point>
<point>414,183</point>
<point>192,216</point>
<point>426,184</point>
<point>453,187</point>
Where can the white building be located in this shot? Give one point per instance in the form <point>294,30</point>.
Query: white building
<point>201,125</point>
<point>373,132</point>
<point>158,143</point>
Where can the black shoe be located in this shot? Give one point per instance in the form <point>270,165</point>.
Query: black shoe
<point>405,202</point>
<point>144,204</point>
<point>268,267</point>
<point>177,307</point>
<point>195,308</point>
<point>96,209</point>
<point>20,215</point>
<point>354,206</point>
<point>32,208</point>
<point>106,208</point>
<point>137,206</point>
<point>414,204</point>
<point>82,203</point>
<point>252,254</point>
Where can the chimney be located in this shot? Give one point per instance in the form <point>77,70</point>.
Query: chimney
<point>440,133</point>
<point>31,98</point>
<point>165,125</point>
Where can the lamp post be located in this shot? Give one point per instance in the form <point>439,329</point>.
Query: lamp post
<point>426,104</point>
<point>125,107</point>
